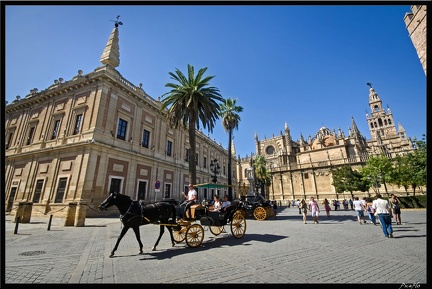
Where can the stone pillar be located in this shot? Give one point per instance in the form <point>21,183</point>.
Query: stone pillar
<point>80,215</point>
<point>24,211</point>
<point>70,214</point>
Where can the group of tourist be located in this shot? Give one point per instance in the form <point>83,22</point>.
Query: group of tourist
<point>376,209</point>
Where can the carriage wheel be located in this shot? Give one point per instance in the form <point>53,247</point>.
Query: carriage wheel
<point>194,235</point>
<point>216,230</point>
<point>241,212</point>
<point>238,226</point>
<point>180,235</point>
<point>260,213</point>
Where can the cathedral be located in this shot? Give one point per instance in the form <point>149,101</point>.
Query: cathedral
<point>302,168</point>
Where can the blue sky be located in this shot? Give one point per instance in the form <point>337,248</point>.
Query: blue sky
<point>306,66</point>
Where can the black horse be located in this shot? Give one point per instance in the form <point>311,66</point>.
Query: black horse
<point>133,214</point>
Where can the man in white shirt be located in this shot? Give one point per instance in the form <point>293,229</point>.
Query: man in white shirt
<point>381,208</point>
<point>359,209</point>
<point>190,199</point>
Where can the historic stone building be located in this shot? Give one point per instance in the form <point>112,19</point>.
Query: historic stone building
<point>415,22</point>
<point>302,168</point>
<point>70,145</point>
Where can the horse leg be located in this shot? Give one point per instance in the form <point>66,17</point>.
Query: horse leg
<point>137,235</point>
<point>171,235</point>
<point>122,233</point>
<point>162,230</point>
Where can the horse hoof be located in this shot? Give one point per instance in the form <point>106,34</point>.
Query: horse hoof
<point>112,255</point>
<point>154,249</point>
<point>173,244</point>
<point>141,252</point>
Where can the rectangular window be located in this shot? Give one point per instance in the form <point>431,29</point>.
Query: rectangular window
<point>145,139</point>
<point>30,135</point>
<point>56,129</point>
<point>115,186</point>
<point>121,129</point>
<point>306,176</point>
<point>196,159</point>
<point>60,190</point>
<point>9,141</point>
<point>169,148</point>
<point>187,156</point>
<point>205,162</point>
<point>38,191</point>
<point>11,199</point>
<point>167,192</point>
<point>142,190</point>
<point>78,121</point>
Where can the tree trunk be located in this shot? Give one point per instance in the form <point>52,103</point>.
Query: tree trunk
<point>229,165</point>
<point>192,152</point>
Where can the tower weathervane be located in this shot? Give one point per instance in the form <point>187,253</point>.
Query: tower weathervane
<point>369,84</point>
<point>117,22</point>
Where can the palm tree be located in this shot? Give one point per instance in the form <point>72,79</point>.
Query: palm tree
<point>262,176</point>
<point>191,102</point>
<point>230,121</point>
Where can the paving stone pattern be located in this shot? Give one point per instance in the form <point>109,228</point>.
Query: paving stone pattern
<point>337,250</point>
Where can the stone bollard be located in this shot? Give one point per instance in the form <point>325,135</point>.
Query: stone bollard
<point>80,215</point>
<point>70,215</point>
<point>24,211</point>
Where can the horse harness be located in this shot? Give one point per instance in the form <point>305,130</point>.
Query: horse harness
<point>141,205</point>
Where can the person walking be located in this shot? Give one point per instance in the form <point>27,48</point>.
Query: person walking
<point>327,208</point>
<point>370,211</point>
<point>359,208</point>
<point>381,208</point>
<point>314,208</point>
<point>304,209</point>
<point>335,204</point>
<point>298,206</point>
<point>351,203</point>
<point>274,208</point>
<point>395,203</point>
<point>345,204</point>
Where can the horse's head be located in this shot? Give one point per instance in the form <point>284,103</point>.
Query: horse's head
<point>108,202</point>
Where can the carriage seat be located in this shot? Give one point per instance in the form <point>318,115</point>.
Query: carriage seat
<point>192,210</point>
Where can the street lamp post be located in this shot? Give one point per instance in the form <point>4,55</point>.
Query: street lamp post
<point>215,169</point>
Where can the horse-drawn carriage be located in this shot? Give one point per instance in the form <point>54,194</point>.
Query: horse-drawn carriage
<point>188,228</point>
<point>134,214</point>
<point>258,207</point>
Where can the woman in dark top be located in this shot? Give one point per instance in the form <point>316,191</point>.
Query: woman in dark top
<point>395,202</point>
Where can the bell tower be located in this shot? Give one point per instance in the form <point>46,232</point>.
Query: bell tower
<point>380,122</point>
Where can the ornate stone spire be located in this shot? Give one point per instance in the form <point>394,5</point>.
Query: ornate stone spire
<point>233,150</point>
<point>111,55</point>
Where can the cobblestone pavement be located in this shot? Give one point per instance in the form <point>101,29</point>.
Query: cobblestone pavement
<point>337,250</point>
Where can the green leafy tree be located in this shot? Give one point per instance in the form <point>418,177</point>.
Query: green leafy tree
<point>417,163</point>
<point>402,172</point>
<point>345,179</point>
<point>191,102</point>
<point>378,170</point>
<point>230,121</point>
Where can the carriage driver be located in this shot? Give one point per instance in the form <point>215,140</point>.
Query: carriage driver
<point>190,199</point>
